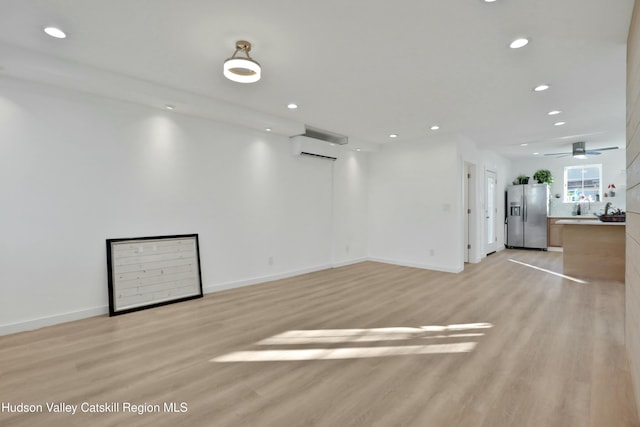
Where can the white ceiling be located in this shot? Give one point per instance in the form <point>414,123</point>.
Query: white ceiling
<point>364,69</point>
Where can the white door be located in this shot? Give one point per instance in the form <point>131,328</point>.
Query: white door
<point>491,212</point>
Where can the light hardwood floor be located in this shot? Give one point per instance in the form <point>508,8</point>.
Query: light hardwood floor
<point>501,344</point>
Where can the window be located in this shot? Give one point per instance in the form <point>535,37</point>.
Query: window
<point>582,183</point>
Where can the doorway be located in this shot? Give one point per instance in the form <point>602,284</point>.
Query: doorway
<point>491,212</point>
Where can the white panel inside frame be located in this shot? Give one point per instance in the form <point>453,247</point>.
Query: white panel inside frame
<point>150,271</point>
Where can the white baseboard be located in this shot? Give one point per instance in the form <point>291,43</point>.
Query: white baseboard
<point>32,324</point>
<point>418,265</point>
<point>262,279</point>
<point>29,325</point>
<point>349,262</point>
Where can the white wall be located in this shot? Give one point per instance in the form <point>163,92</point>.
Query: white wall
<point>350,207</point>
<point>613,172</point>
<point>77,169</point>
<point>415,205</point>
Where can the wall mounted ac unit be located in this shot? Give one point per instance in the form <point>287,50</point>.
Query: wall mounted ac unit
<point>305,146</point>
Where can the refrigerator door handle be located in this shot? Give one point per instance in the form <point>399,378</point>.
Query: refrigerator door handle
<point>524,208</point>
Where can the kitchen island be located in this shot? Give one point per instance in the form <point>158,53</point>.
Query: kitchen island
<point>593,249</point>
<point>555,227</point>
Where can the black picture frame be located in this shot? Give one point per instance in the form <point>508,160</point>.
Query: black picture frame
<point>168,273</point>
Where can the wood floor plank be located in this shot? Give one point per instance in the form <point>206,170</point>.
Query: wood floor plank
<point>504,343</point>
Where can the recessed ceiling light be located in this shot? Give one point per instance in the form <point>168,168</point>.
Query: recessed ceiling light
<point>554,112</point>
<point>393,135</point>
<point>435,127</point>
<point>489,1</point>
<point>524,144</point>
<point>268,129</point>
<point>518,43</point>
<point>169,107</point>
<point>292,106</point>
<point>540,88</point>
<point>55,32</point>
<point>559,123</point>
<point>333,145</point>
<point>535,154</point>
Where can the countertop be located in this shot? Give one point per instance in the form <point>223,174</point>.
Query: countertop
<point>588,216</point>
<point>587,222</point>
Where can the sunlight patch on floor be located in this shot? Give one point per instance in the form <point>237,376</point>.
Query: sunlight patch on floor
<point>342,353</point>
<point>460,327</point>
<point>548,271</point>
<point>324,336</point>
<point>282,339</point>
<point>348,336</point>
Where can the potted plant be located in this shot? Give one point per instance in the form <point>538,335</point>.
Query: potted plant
<point>521,179</point>
<point>616,215</point>
<point>543,176</point>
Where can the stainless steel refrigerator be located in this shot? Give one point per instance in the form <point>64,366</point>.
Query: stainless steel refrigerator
<point>527,210</point>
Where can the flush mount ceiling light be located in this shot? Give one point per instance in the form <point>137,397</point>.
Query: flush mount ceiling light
<point>242,70</point>
<point>518,43</point>
<point>55,32</point>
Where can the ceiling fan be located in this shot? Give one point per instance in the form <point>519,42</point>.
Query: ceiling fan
<point>580,151</point>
